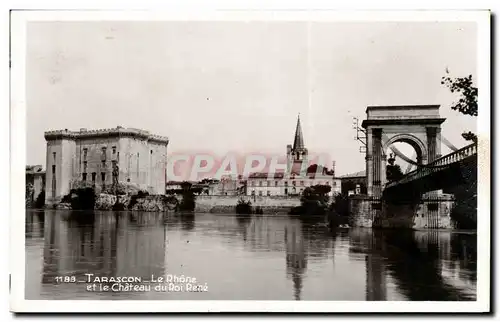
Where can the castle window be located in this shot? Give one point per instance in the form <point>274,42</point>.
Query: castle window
<point>84,177</point>
<point>268,183</point>
<point>103,163</point>
<point>286,184</point>
<point>54,156</point>
<point>84,166</point>
<point>114,149</point>
<point>54,180</point>
<point>260,193</point>
<point>103,153</point>
<point>293,183</point>
<point>103,176</point>
<point>268,193</point>
<point>93,177</point>
<point>260,183</point>
<point>334,183</point>
<point>302,183</point>
<point>275,183</point>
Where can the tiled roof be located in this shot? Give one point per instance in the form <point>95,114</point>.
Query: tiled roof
<point>355,174</point>
<point>34,169</point>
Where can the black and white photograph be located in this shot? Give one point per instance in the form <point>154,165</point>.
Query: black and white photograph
<point>250,161</point>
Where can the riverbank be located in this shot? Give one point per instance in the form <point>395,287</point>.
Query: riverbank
<point>159,203</point>
<point>103,201</point>
<point>258,204</point>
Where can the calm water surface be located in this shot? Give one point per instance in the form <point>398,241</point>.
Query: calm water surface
<point>255,258</point>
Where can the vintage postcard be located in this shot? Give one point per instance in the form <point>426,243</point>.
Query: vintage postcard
<point>250,161</point>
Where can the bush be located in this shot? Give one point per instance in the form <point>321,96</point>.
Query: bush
<point>138,195</point>
<point>118,206</point>
<point>40,200</point>
<point>80,198</point>
<point>314,201</point>
<point>340,205</point>
<point>85,199</point>
<point>338,213</point>
<point>464,214</point>
<point>244,207</point>
<point>188,202</point>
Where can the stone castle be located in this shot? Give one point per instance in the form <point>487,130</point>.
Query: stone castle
<point>102,158</point>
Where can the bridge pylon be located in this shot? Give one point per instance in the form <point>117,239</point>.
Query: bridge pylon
<point>417,125</point>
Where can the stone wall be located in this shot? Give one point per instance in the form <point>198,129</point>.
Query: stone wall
<point>227,204</point>
<point>360,212</point>
<point>209,204</point>
<point>155,203</point>
<point>364,212</point>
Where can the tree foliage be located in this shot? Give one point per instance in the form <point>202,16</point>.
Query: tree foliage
<point>467,104</point>
<point>393,172</point>
<point>81,198</point>
<point>314,201</point>
<point>315,168</point>
<point>469,136</point>
<point>188,202</point>
<point>244,207</point>
<point>317,194</point>
<point>40,200</point>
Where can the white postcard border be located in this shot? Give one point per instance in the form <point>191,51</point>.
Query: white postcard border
<point>18,157</point>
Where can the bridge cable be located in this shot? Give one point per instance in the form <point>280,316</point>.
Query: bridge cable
<point>405,158</point>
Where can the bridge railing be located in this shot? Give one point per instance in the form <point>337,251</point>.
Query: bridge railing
<point>437,164</point>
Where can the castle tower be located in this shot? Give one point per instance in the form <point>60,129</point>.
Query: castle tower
<point>297,153</point>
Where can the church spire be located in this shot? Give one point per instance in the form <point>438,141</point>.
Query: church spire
<point>298,142</point>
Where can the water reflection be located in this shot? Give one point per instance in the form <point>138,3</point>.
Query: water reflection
<point>102,243</point>
<point>246,257</point>
<point>422,264</point>
<point>34,224</point>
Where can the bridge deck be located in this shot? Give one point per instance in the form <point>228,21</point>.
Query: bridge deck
<point>437,165</point>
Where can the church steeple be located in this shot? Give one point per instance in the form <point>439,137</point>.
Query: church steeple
<point>298,142</point>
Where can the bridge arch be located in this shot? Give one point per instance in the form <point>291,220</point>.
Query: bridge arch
<point>417,125</point>
<point>416,143</point>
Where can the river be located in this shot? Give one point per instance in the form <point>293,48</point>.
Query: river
<point>229,257</point>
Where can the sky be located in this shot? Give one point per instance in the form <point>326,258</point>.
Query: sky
<point>239,86</point>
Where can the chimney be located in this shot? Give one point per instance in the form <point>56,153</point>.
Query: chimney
<point>333,169</point>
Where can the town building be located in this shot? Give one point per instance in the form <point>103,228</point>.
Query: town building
<point>35,184</point>
<point>102,158</point>
<point>226,186</point>
<point>229,186</point>
<point>354,183</point>
<point>296,178</point>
